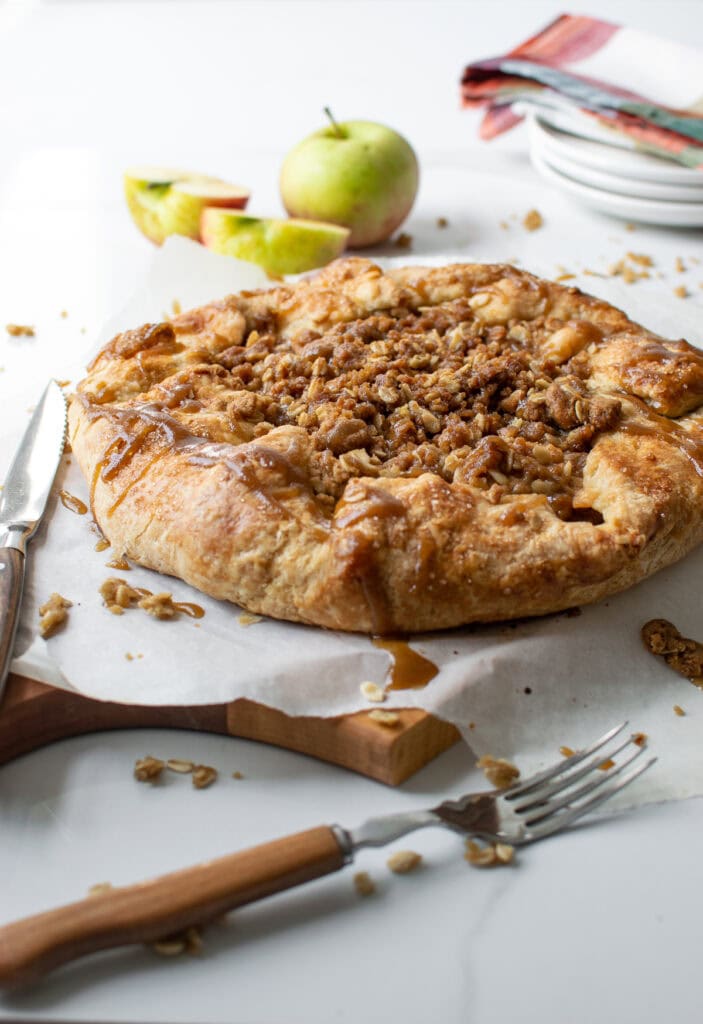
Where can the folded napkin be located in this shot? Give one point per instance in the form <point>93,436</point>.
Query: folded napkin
<point>634,89</point>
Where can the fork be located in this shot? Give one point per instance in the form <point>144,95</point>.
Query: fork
<point>525,812</point>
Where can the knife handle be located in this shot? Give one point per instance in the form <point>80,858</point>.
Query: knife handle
<point>164,906</point>
<point>11,585</point>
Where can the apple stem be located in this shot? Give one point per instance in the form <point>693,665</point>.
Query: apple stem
<point>338,131</point>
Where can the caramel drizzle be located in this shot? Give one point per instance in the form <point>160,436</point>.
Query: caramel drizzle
<point>72,503</point>
<point>668,430</point>
<point>409,670</point>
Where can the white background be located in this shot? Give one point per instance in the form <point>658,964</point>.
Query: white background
<point>601,924</point>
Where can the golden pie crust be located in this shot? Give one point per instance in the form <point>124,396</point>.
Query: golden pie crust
<point>400,451</point>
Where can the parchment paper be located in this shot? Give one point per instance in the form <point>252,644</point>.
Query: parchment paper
<point>515,690</point>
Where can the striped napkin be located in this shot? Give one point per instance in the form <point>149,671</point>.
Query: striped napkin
<point>600,80</point>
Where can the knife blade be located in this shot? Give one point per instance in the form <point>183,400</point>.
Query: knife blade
<point>24,497</point>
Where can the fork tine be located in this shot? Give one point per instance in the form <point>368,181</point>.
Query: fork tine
<point>562,821</point>
<point>546,810</point>
<point>545,792</point>
<point>551,773</point>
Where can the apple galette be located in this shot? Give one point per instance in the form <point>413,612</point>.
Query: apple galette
<point>399,451</point>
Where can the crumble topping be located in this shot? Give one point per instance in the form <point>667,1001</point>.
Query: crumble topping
<point>53,614</point>
<point>161,605</point>
<point>489,855</point>
<point>372,692</point>
<point>532,220</point>
<point>500,773</point>
<point>403,861</point>
<point>148,769</point>
<point>388,719</point>
<point>364,884</point>
<point>203,775</point>
<point>685,656</point>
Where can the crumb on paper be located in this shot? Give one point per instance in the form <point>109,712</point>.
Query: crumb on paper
<point>565,277</point>
<point>640,738</point>
<point>20,330</point>
<point>403,861</point>
<point>388,719</point>
<point>237,775</point>
<point>489,855</point>
<point>532,220</point>
<point>63,314</point>
<point>148,769</point>
<point>606,765</point>
<point>364,884</point>
<point>247,619</point>
<point>372,692</point>
<point>681,292</point>
<point>53,614</point>
<point>680,653</point>
<point>203,775</point>
<point>630,227</point>
<point>403,241</point>
<point>63,383</point>
<point>442,222</point>
<point>504,225</point>
<point>177,764</point>
<point>176,307</point>
<point>161,605</point>
<point>640,258</point>
<point>679,265</point>
<point>118,595</point>
<point>499,772</point>
<point>566,751</point>
<point>678,710</point>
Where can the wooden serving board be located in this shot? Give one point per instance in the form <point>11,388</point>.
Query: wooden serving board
<point>33,714</point>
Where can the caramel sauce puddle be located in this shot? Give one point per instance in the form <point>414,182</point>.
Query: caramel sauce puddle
<point>409,670</point>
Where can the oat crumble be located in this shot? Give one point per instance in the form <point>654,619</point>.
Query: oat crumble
<point>403,241</point>
<point>363,883</point>
<point>403,861</point>
<point>20,330</point>
<point>247,619</point>
<point>388,719</point>
<point>372,692</point>
<point>148,769</point>
<point>203,776</point>
<point>53,614</point>
<point>532,220</point>
<point>488,856</point>
<point>499,772</point>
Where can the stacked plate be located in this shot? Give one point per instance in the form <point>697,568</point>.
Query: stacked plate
<point>622,182</point>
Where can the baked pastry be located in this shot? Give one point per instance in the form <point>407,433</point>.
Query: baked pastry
<point>400,451</point>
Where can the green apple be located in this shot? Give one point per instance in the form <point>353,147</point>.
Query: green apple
<point>359,174</point>
<point>279,246</point>
<point>164,201</point>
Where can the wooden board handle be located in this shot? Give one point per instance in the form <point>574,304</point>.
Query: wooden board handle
<point>11,586</point>
<point>163,906</point>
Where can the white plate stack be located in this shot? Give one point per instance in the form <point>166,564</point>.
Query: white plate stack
<point>601,173</point>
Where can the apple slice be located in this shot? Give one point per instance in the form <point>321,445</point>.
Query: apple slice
<point>164,201</point>
<point>279,246</point>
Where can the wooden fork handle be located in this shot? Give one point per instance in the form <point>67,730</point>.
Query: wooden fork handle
<point>163,906</point>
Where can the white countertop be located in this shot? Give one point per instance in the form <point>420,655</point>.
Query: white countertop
<point>599,924</point>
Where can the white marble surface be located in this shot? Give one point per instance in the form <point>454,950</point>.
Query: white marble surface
<point>599,923</point>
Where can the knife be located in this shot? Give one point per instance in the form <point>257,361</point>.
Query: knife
<point>24,497</point>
